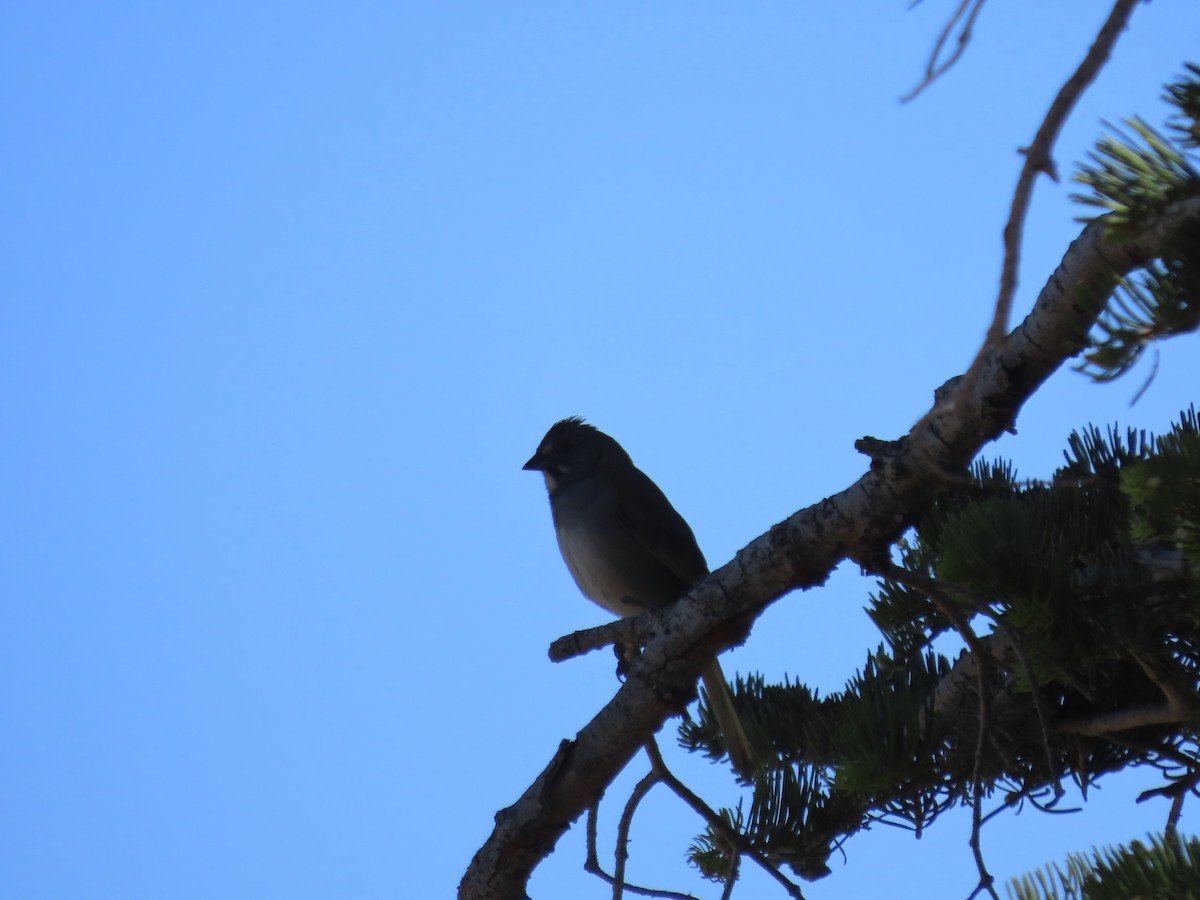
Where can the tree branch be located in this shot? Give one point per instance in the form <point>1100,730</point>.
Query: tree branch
<point>592,866</point>
<point>630,631</point>
<point>1038,158</point>
<point>640,790</point>
<point>732,838</point>
<point>934,69</point>
<point>1121,720</point>
<point>859,523</point>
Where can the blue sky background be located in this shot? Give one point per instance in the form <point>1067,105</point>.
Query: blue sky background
<point>292,290</point>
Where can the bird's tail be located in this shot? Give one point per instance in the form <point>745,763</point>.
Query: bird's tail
<point>720,701</point>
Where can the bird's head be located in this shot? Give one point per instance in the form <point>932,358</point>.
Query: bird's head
<point>573,449</point>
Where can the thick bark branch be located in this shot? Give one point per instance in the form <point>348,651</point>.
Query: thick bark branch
<point>860,523</point>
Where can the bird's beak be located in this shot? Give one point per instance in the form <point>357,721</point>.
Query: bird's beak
<point>535,464</point>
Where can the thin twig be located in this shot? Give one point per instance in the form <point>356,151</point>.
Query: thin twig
<point>640,790</point>
<point>934,70</point>
<point>1052,808</point>
<point>1181,785</point>
<point>1038,159</point>
<point>985,877</point>
<point>1179,700</point>
<point>986,880</point>
<point>1177,791</point>
<point>1149,378</point>
<point>1011,638</point>
<point>735,862</point>
<point>1035,686</point>
<point>732,838</point>
<point>1174,752</point>
<point>1030,794</point>
<point>1174,815</point>
<point>592,863</point>
<point>951,611</point>
<point>979,658</point>
<point>1039,704</point>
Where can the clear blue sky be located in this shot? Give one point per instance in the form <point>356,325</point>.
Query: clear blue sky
<point>290,291</point>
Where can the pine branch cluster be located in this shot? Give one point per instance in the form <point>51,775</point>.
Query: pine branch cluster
<point>1074,604</point>
<point>1078,600</point>
<point>1133,173</point>
<point>1167,867</point>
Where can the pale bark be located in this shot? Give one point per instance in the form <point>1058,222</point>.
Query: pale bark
<point>859,523</point>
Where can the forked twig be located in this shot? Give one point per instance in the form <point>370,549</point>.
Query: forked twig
<point>732,838</point>
<point>934,69</point>
<point>592,863</point>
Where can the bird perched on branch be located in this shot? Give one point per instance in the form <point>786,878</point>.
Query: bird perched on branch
<point>625,545</point>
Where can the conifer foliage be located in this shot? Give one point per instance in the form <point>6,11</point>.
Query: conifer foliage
<point>1168,868</point>
<point>1035,632</point>
<point>1133,173</point>
<point>1076,604</point>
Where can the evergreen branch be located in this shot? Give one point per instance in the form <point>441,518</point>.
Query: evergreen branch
<point>1184,95</point>
<point>1081,519</point>
<point>1090,453</point>
<point>729,835</point>
<point>1163,301</point>
<point>1168,867</point>
<point>1131,175</point>
<point>1013,641</point>
<point>860,523</point>
<point>948,597</point>
<point>1039,703</point>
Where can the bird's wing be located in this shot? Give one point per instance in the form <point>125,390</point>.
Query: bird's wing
<point>656,525</point>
